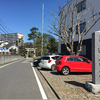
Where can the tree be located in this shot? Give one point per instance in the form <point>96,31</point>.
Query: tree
<point>33,34</point>
<point>52,45</point>
<point>46,38</point>
<point>38,43</point>
<point>22,50</point>
<point>21,42</point>
<point>47,41</point>
<point>64,31</point>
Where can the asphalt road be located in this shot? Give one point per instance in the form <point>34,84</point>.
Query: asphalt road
<point>17,81</point>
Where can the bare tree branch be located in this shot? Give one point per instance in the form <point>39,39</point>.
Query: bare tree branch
<point>61,25</point>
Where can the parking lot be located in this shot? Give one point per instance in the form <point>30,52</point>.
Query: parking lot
<point>71,86</point>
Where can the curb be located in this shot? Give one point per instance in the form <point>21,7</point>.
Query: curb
<point>49,85</point>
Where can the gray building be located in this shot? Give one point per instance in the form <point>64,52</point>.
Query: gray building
<point>83,7</point>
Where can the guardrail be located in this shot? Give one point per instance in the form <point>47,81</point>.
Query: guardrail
<point>8,58</point>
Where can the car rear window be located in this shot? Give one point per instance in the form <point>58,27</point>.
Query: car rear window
<point>55,58</point>
<point>59,58</point>
<point>46,58</point>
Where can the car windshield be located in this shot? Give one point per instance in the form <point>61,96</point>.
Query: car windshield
<point>59,58</point>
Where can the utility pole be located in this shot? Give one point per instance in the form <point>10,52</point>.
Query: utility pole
<point>42,29</point>
<point>0,37</point>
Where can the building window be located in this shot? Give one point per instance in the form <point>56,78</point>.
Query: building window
<point>83,52</point>
<point>81,6</point>
<point>82,27</point>
<point>70,29</point>
<point>77,29</point>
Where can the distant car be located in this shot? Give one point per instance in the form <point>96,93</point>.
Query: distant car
<point>48,61</point>
<point>73,63</point>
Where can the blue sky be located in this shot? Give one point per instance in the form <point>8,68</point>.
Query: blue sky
<point>21,15</point>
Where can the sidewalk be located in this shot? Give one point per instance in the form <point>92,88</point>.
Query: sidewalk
<point>71,86</point>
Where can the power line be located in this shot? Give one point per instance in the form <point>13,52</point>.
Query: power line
<point>5,34</point>
<point>5,26</point>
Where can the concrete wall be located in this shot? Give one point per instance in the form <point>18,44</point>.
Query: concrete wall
<point>9,58</point>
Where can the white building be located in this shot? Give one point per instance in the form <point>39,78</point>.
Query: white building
<point>8,49</point>
<point>12,38</point>
<point>84,6</point>
<point>9,43</point>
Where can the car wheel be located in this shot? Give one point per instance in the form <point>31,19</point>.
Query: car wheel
<point>65,71</point>
<point>52,67</point>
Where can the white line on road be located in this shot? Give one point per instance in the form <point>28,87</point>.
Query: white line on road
<point>40,85</point>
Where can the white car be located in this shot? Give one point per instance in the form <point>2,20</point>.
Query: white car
<point>48,62</point>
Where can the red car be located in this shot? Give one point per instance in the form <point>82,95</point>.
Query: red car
<point>73,63</point>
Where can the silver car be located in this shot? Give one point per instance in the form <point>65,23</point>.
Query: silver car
<point>48,62</point>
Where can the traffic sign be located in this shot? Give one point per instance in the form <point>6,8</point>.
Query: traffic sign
<point>2,48</point>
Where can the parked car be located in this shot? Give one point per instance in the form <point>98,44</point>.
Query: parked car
<point>73,63</point>
<point>48,61</point>
<point>37,61</point>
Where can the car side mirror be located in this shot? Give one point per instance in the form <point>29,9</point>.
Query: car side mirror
<point>88,61</point>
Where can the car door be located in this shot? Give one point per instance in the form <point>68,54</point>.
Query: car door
<point>73,64</point>
<point>85,66</point>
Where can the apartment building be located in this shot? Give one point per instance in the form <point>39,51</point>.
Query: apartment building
<point>90,9</point>
<point>11,42</point>
<point>14,38</point>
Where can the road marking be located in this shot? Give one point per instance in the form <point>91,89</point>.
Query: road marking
<point>40,85</point>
